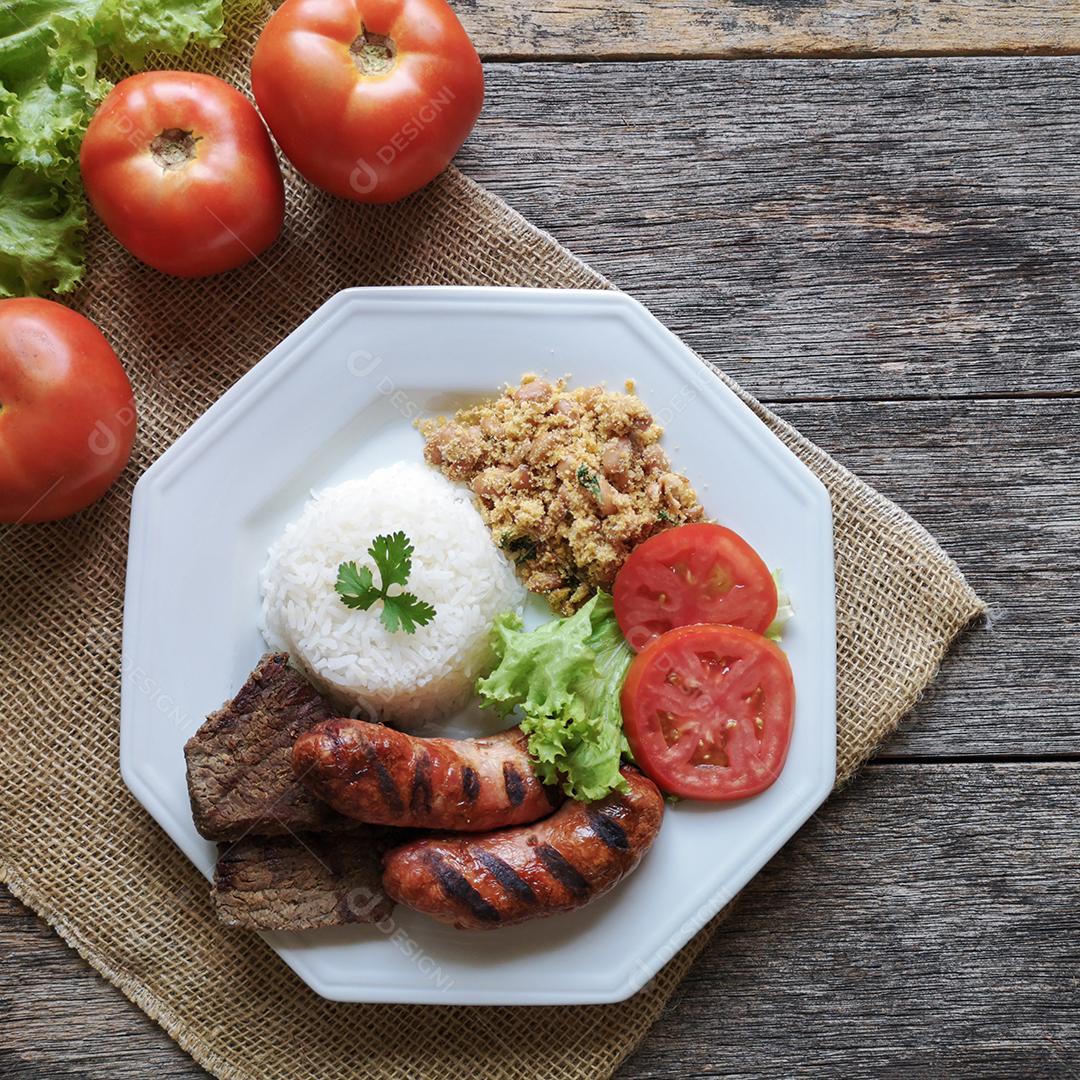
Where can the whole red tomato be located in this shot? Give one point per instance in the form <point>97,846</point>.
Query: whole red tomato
<point>67,417</point>
<point>182,171</point>
<point>369,99</point>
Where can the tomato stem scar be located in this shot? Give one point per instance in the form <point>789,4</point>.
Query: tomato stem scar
<point>373,54</point>
<point>173,148</point>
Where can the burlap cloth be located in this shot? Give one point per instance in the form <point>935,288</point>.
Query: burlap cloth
<point>79,850</point>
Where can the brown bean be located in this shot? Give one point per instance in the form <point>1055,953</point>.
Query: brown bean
<point>491,481</point>
<point>566,471</point>
<point>543,581</point>
<point>491,427</point>
<point>558,512</point>
<point>608,501</point>
<point>543,445</point>
<point>654,459</point>
<point>536,390</point>
<point>442,445</point>
<point>674,487</point>
<point>615,461</point>
<point>462,447</point>
<point>444,434</point>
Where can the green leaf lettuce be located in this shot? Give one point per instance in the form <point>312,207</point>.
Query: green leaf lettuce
<point>41,225</point>
<point>48,68</point>
<point>132,28</point>
<point>566,677</point>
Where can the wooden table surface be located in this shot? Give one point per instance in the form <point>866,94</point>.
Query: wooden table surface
<point>887,251</point>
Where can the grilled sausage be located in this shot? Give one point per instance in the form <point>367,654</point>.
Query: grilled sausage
<point>372,773</point>
<point>507,877</point>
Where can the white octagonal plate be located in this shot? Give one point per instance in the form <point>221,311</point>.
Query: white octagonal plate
<point>337,398</point>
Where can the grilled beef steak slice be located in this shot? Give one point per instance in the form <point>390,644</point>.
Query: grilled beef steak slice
<point>239,763</point>
<point>301,882</point>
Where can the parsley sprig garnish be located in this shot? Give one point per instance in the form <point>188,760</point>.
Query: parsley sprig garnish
<point>393,559</point>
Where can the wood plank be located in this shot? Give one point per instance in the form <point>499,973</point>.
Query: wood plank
<point>59,1020</point>
<point>773,28</point>
<point>819,229</point>
<point>998,483</point>
<point>923,923</point>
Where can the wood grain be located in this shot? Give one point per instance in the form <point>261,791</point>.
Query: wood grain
<point>889,235</point>
<point>998,483</point>
<point>821,229</point>
<point>923,923</point>
<point>574,29</point>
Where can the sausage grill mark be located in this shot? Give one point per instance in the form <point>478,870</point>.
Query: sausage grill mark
<point>420,796</point>
<point>506,876</point>
<point>337,746</point>
<point>470,784</point>
<point>608,830</point>
<point>515,785</point>
<point>386,781</point>
<point>457,887</point>
<point>563,871</point>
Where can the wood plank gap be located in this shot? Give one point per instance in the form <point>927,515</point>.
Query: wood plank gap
<point>975,759</point>
<point>620,56</point>
<point>975,395</point>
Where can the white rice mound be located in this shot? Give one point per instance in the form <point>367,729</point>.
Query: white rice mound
<point>403,678</point>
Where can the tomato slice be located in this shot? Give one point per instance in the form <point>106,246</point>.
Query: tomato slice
<point>708,712</point>
<point>692,574</point>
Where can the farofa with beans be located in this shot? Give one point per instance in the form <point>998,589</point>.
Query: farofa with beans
<point>568,481</point>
